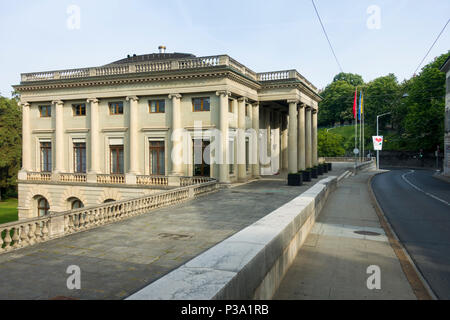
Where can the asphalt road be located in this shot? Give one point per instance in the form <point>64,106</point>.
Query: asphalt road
<point>418,208</point>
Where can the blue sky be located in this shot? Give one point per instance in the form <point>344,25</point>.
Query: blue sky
<point>263,35</point>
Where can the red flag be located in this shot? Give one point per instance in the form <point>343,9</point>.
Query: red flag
<point>354,104</point>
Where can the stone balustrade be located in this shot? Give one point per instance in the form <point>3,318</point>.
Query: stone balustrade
<point>144,180</point>
<point>111,178</point>
<point>72,177</point>
<point>20,234</point>
<point>24,233</point>
<point>39,176</point>
<point>152,180</point>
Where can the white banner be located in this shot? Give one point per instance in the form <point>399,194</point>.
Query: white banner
<point>377,142</point>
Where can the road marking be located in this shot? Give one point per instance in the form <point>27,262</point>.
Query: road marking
<point>419,189</point>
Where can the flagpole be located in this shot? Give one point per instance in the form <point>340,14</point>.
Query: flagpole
<point>356,125</point>
<point>362,116</point>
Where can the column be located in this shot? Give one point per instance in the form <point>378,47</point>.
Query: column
<point>292,137</point>
<point>314,138</point>
<point>59,151</point>
<point>308,138</point>
<point>242,172</point>
<point>94,135</point>
<point>224,170</point>
<point>301,137</point>
<point>255,146</point>
<point>133,127</point>
<point>276,143</point>
<point>177,139</point>
<point>284,142</point>
<point>26,137</point>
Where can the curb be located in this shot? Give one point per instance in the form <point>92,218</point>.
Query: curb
<point>418,283</point>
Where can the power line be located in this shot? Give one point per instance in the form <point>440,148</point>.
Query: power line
<point>326,35</point>
<point>432,46</point>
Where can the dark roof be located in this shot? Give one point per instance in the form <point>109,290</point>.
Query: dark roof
<point>446,65</point>
<point>153,57</point>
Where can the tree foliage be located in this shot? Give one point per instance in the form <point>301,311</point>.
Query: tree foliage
<point>10,144</point>
<point>330,144</point>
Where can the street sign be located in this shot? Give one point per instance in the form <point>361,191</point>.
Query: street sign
<point>356,151</point>
<point>377,142</point>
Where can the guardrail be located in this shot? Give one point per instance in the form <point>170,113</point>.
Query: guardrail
<point>24,233</point>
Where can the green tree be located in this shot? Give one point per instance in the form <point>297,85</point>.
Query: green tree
<point>423,121</point>
<point>330,144</point>
<point>350,78</point>
<point>10,144</point>
<point>337,103</point>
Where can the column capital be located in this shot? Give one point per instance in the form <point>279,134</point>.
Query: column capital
<point>308,108</point>
<point>92,100</point>
<point>24,104</point>
<point>132,98</point>
<point>301,105</point>
<point>314,111</point>
<point>242,99</point>
<point>57,102</point>
<point>255,104</point>
<point>293,101</point>
<point>225,93</point>
<point>174,96</point>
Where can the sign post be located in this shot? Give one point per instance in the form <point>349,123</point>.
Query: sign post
<point>377,145</point>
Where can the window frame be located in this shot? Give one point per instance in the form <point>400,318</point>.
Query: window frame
<point>45,207</point>
<point>160,148</point>
<point>45,147</point>
<point>202,104</point>
<point>79,107</point>
<point>158,106</point>
<point>48,114</point>
<point>116,108</point>
<point>76,147</point>
<point>117,147</point>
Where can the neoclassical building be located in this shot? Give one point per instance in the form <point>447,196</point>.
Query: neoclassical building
<point>446,161</point>
<point>107,133</point>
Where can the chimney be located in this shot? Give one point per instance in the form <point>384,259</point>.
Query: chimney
<point>162,49</point>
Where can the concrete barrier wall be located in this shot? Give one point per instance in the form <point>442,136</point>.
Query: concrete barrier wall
<point>251,263</point>
<point>365,166</point>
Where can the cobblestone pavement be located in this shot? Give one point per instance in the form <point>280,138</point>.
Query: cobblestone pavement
<point>118,259</point>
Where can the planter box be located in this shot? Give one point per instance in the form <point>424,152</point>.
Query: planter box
<point>325,168</point>
<point>314,173</point>
<point>329,166</point>
<point>306,175</point>
<point>295,179</point>
<point>319,170</point>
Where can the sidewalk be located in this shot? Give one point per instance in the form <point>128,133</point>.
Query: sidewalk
<point>332,264</point>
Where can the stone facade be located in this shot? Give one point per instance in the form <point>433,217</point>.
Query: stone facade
<point>110,111</point>
<point>446,162</point>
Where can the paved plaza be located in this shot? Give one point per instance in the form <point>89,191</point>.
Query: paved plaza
<point>118,259</point>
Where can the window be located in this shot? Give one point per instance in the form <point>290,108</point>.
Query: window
<point>43,207</point>
<point>157,157</point>
<point>200,104</point>
<point>157,106</point>
<point>46,156</point>
<point>116,107</point>
<point>77,204</point>
<point>79,109</point>
<point>116,153</point>
<point>45,111</point>
<point>79,157</point>
<point>230,106</point>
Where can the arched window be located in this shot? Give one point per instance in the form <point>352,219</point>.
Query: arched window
<point>43,207</point>
<point>77,204</point>
<point>109,200</point>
